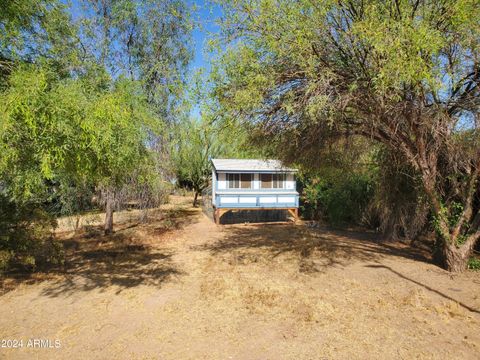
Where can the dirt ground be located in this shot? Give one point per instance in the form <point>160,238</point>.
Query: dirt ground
<point>181,287</point>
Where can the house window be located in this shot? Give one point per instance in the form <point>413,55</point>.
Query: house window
<point>233,181</point>
<point>266,181</point>
<point>278,181</point>
<point>272,181</point>
<point>246,181</point>
<point>239,181</point>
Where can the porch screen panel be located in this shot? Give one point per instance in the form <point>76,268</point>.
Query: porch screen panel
<point>266,181</point>
<point>278,181</point>
<point>246,181</point>
<point>233,181</point>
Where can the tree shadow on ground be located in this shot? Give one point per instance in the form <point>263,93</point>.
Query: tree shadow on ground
<point>134,255</point>
<point>175,219</point>
<point>117,263</point>
<point>429,288</point>
<point>316,249</point>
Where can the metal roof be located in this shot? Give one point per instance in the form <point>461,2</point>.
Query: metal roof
<point>249,165</point>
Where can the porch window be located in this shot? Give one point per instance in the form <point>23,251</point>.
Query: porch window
<point>233,181</point>
<point>278,181</point>
<point>272,181</point>
<point>239,181</point>
<point>266,181</point>
<point>246,181</point>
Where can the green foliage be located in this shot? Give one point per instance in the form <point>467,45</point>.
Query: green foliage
<point>120,124</point>
<point>402,42</point>
<point>339,200</point>
<point>40,128</point>
<point>53,128</point>
<point>67,197</point>
<point>5,260</point>
<point>37,30</point>
<point>474,264</point>
<point>196,143</point>
<point>308,74</point>
<point>147,41</point>
<point>58,136</point>
<point>26,237</point>
<point>449,215</point>
<point>456,210</point>
<point>83,107</point>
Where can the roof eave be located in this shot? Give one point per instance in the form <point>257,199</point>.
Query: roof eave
<point>257,170</point>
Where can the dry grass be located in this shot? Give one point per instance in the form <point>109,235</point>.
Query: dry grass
<point>180,287</point>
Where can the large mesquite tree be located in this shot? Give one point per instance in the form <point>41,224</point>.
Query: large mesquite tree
<point>54,129</point>
<point>404,73</point>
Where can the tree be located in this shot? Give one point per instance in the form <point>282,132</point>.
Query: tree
<point>37,30</point>
<point>196,142</point>
<point>121,124</point>
<point>113,124</point>
<point>65,129</point>
<point>402,73</point>
<point>147,41</point>
<point>77,112</point>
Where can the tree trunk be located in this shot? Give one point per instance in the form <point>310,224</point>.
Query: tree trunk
<point>446,252</point>
<point>454,257</point>
<point>195,199</point>
<point>108,229</point>
<point>77,223</point>
<point>450,257</point>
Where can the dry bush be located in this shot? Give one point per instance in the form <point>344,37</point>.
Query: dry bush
<point>27,237</point>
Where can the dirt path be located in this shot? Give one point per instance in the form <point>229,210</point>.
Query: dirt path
<point>244,292</point>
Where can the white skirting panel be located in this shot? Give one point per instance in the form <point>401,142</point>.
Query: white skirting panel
<point>287,199</point>
<point>228,200</point>
<point>267,200</point>
<point>248,200</point>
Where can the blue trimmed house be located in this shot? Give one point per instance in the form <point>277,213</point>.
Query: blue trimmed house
<point>247,184</point>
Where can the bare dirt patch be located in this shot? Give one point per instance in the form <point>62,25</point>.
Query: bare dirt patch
<point>181,287</point>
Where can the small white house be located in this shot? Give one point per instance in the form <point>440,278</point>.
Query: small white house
<point>247,184</point>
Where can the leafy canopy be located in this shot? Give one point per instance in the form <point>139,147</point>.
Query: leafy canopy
<point>405,73</point>
<point>52,128</point>
<point>37,30</point>
<point>147,41</point>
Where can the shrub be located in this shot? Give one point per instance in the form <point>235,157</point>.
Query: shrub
<point>145,192</point>
<point>5,257</point>
<point>26,237</point>
<point>338,201</point>
<point>474,264</point>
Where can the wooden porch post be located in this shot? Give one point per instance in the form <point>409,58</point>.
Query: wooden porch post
<point>294,213</point>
